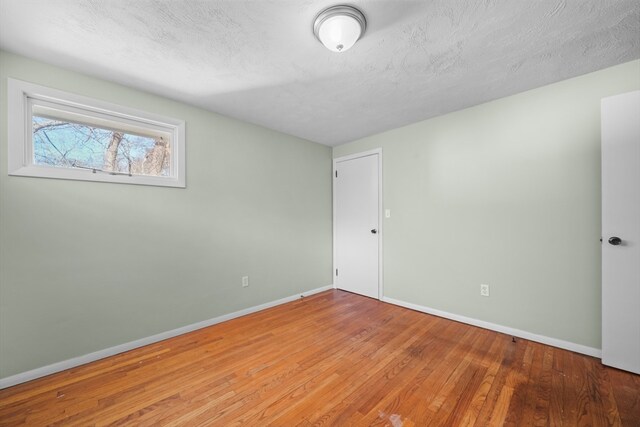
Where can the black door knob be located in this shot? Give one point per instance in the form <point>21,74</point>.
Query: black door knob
<point>374,231</point>
<point>615,241</point>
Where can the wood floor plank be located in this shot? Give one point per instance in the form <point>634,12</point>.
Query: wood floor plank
<point>517,380</point>
<point>492,364</point>
<point>625,390</point>
<point>405,394</point>
<point>512,356</point>
<point>349,378</point>
<point>543,389</point>
<point>333,359</point>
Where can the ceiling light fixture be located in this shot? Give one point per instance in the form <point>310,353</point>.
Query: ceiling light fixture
<point>339,27</point>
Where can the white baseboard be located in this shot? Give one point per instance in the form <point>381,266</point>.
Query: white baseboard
<point>101,354</point>
<point>554,342</point>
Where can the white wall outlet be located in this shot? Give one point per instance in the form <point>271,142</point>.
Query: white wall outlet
<point>245,281</point>
<point>484,290</point>
<point>387,213</point>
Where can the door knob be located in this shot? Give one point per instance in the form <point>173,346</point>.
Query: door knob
<point>615,241</point>
<point>374,231</point>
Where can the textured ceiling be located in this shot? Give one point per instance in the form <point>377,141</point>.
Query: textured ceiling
<point>259,61</point>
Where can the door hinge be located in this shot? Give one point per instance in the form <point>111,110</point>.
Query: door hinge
<point>336,272</point>
<point>336,174</point>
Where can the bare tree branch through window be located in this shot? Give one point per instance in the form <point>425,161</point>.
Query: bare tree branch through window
<point>66,144</point>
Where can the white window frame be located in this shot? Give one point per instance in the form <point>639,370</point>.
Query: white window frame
<point>23,95</point>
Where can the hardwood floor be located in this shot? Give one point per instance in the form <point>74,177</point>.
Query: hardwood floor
<point>333,359</point>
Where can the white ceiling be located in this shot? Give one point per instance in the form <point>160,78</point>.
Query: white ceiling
<point>259,61</point>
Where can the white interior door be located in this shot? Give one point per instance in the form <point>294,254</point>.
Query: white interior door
<point>621,231</point>
<point>357,224</point>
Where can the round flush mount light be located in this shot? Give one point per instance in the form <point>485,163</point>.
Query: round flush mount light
<point>339,27</point>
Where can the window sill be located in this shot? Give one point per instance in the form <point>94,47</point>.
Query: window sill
<point>89,175</point>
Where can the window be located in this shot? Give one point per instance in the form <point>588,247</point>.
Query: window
<point>53,134</point>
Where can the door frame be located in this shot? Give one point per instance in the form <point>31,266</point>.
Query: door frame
<point>378,152</point>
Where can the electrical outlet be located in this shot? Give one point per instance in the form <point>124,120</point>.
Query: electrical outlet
<point>484,290</point>
<point>245,281</point>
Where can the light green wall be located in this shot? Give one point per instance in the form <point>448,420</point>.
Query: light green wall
<point>85,266</point>
<point>505,193</point>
